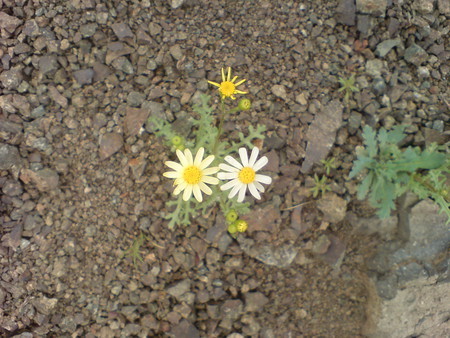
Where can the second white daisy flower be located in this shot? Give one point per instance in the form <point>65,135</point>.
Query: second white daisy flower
<point>243,175</point>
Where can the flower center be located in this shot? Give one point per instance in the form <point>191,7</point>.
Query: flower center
<point>247,175</point>
<point>227,88</point>
<point>192,175</point>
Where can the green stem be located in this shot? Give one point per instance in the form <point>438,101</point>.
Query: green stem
<point>220,128</point>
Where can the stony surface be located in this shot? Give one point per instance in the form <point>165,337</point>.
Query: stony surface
<point>80,169</point>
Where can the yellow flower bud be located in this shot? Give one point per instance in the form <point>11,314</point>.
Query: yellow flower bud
<point>244,104</point>
<point>231,216</point>
<point>241,225</point>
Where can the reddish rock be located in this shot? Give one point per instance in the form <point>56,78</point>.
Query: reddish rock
<point>110,144</point>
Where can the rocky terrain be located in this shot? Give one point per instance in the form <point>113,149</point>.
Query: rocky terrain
<point>81,170</point>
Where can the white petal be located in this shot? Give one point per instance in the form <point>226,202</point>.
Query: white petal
<point>210,171</point>
<point>188,155</point>
<point>253,157</point>
<point>259,186</point>
<point>199,156</point>
<point>180,188</point>
<point>244,156</point>
<point>174,165</point>
<point>182,158</point>
<point>242,193</point>
<point>228,168</point>
<point>197,193</point>
<point>233,162</point>
<point>187,192</point>
<point>227,176</point>
<point>203,187</point>
<point>263,179</point>
<point>260,163</point>
<point>254,191</point>
<point>210,180</point>
<point>206,162</point>
<point>230,184</point>
<point>234,191</point>
<point>172,174</point>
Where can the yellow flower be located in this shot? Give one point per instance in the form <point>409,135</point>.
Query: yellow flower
<point>227,87</point>
<point>192,175</point>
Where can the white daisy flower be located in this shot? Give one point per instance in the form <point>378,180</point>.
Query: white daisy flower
<point>243,176</point>
<point>192,175</point>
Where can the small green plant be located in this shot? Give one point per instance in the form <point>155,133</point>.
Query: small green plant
<point>348,87</point>
<point>389,171</point>
<point>134,252</point>
<point>328,165</point>
<point>193,175</point>
<point>320,186</point>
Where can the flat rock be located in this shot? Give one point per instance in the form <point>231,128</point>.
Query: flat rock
<point>48,64</point>
<point>9,157</point>
<point>84,76</point>
<point>179,288</point>
<point>385,46</point>
<point>333,207</point>
<point>322,133</point>
<point>416,55</point>
<point>46,179</point>
<point>279,91</point>
<point>263,219</point>
<point>372,7</point>
<point>110,144</point>
<point>184,330</point>
<point>122,30</point>
<point>12,78</point>
<point>346,12</point>
<point>56,96</point>
<point>255,301</point>
<point>9,23</point>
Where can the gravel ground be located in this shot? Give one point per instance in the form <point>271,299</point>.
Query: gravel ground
<point>81,172</point>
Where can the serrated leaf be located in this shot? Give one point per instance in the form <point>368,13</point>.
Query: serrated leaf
<point>370,141</point>
<point>364,186</point>
<point>360,164</point>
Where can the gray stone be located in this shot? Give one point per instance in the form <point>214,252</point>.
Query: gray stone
<point>184,330</point>
<point>9,23</point>
<point>12,78</point>
<point>110,144</point>
<point>12,188</point>
<point>177,3</point>
<point>255,301</point>
<point>9,157</point>
<point>31,28</point>
<point>372,7</point>
<point>135,99</point>
<point>321,134</point>
<point>385,46</point>
<point>123,64</point>
<point>88,30</point>
<point>346,12</point>
<point>416,55</point>
<point>176,52</point>
<point>45,305</point>
<point>374,67</point>
<point>56,96</point>
<point>279,91</point>
<point>423,6</point>
<point>444,7</point>
<point>180,288</point>
<point>333,207</point>
<point>321,245</point>
<point>154,28</point>
<point>122,30</point>
<point>48,64</point>
<point>46,179</point>
<point>84,76</point>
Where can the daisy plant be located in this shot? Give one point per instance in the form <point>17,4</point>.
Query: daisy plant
<point>198,184</point>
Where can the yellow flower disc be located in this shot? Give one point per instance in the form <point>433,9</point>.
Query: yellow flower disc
<point>227,88</point>
<point>192,175</point>
<point>247,175</point>
<point>241,225</point>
